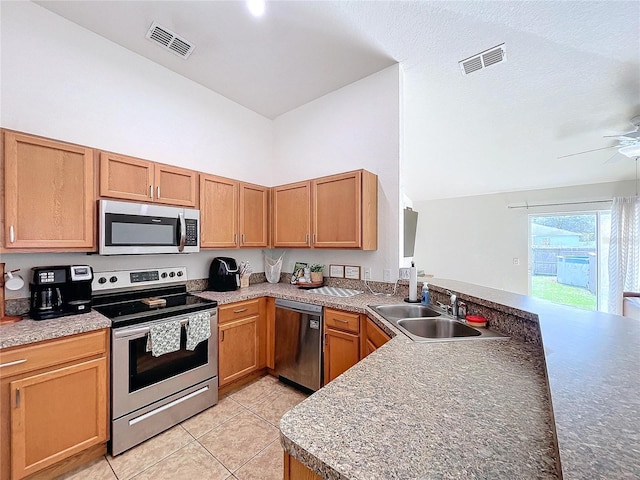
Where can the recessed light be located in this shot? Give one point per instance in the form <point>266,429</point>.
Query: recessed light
<point>256,7</point>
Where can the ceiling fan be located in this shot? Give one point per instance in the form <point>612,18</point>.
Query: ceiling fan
<point>628,142</point>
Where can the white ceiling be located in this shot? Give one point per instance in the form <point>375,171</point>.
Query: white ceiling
<point>572,76</point>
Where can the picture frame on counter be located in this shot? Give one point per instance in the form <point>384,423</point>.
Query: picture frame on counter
<point>336,271</point>
<point>352,272</point>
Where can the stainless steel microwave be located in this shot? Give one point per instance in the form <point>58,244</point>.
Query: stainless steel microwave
<point>138,228</point>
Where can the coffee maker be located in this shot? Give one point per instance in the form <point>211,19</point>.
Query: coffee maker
<point>60,290</point>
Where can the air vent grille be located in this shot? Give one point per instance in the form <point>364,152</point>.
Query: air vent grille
<point>169,40</point>
<point>484,59</point>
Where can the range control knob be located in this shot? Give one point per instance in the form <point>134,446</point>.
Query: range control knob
<point>179,273</point>
<point>102,280</point>
<point>172,274</point>
<point>164,275</point>
<point>113,279</point>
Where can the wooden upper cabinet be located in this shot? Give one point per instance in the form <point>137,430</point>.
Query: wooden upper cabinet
<point>49,194</point>
<point>292,215</point>
<point>218,212</point>
<point>254,215</point>
<point>345,211</point>
<point>127,178</point>
<point>233,214</point>
<point>174,185</point>
<point>131,178</point>
<point>338,211</point>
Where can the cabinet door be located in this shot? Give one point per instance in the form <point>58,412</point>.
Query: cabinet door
<point>49,192</point>
<point>292,215</point>
<point>238,349</point>
<point>341,352</point>
<point>337,211</point>
<point>218,212</point>
<point>57,414</point>
<point>254,215</point>
<point>175,186</point>
<point>126,178</point>
<point>373,337</point>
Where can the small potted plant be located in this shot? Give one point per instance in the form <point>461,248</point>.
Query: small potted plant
<point>316,272</point>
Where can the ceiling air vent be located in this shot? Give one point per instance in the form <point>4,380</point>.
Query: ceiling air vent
<point>169,40</point>
<point>484,59</point>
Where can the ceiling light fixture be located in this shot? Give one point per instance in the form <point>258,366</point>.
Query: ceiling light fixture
<point>256,7</point>
<point>630,150</point>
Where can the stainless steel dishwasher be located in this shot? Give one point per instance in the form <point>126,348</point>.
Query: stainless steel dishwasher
<point>298,349</point>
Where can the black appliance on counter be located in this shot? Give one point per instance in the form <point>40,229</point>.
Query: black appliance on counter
<point>60,290</point>
<point>224,275</point>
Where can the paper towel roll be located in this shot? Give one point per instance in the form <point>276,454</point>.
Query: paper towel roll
<point>413,284</point>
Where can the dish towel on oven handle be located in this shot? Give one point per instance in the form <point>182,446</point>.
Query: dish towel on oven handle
<point>164,338</point>
<point>198,329</point>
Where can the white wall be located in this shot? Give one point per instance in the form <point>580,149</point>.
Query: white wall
<point>354,127</point>
<point>64,82</point>
<point>475,239</point>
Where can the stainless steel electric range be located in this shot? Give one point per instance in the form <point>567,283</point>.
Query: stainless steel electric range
<point>152,393</point>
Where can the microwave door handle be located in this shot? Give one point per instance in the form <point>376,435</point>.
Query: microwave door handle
<point>183,232</point>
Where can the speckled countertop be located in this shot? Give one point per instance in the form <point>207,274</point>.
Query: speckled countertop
<point>31,331</point>
<point>593,367</point>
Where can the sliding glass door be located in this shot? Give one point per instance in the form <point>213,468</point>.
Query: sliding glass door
<point>568,254</point>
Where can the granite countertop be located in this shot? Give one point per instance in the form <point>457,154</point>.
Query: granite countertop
<point>30,331</point>
<point>593,369</point>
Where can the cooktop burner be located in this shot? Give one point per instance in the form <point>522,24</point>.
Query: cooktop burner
<point>128,308</point>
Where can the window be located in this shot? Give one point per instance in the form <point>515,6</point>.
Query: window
<point>568,258</point>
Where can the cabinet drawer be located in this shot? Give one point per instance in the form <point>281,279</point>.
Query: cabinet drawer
<point>53,352</point>
<point>234,311</point>
<point>347,321</point>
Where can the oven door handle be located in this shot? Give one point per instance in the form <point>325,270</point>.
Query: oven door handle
<point>140,331</point>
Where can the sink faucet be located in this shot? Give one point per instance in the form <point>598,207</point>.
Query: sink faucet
<point>453,303</point>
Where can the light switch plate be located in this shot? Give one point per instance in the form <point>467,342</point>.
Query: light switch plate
<point>386,275</point>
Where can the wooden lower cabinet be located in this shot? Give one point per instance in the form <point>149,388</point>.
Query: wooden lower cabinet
<point>241,339</point>
<point>294,470</point>
<point>52,415</point>
<point>373,337</point>
<point>341,342</point>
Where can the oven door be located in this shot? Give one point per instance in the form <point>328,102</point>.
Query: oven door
<point>139,379</point>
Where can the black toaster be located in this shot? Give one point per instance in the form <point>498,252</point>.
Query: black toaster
<point>223,275</point>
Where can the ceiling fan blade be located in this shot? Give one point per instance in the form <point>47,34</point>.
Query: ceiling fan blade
<point>615,158</point>
<point>588,151</point>
<point>629,135</point>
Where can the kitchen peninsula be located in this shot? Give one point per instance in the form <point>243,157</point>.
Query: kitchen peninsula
<point>563,408</point>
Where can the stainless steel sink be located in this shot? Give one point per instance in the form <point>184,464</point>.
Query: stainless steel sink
<point>437,328</point>
<point>422,323</point>
<point>406,310</point>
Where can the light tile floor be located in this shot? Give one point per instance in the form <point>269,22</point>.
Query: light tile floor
<point>236,439</point>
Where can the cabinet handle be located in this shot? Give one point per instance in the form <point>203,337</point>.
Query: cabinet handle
<point>235,238</point>
<point>306,239</point>
<point>16,362</point>
<point>222,335</point>
<point>340,320</point>
<point>150,191</point>
<point>314,239</point>
<point>12,234</point>
<point>240,310</point>
<point>243,239</point>
<point>17,398</point>
<point>158,191</point>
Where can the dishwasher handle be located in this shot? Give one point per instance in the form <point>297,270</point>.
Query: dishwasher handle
<point>299,307</point>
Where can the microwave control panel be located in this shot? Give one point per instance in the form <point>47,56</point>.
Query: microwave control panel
<point>191,234</point>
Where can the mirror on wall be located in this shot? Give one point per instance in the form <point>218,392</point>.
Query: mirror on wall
<point>410,226</point>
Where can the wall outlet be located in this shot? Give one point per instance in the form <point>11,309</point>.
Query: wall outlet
<point>367,273</point>
<point>386,275</point>
<point>404,274</point>
<point>516,261</point>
